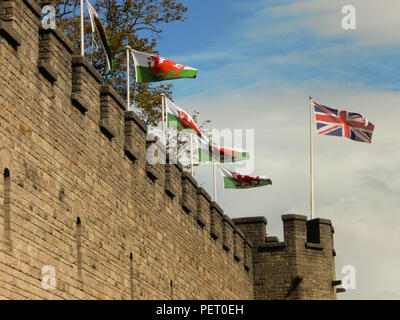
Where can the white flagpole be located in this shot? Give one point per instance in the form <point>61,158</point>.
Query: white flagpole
<point>162,116</point>
<point>311,161</point>
<point>135,83</point>
<point>166,122</point>
<point>214,165</point>
<point>91,53</point>
<point>191,152</point>
<point>128,80</point>
<point>82,32</point>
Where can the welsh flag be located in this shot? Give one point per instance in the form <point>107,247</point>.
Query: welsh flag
<point>209,152</point>
<point>179,119</point>
<point>151,68</point>
<point>105,44</point>
<point>234,180</point>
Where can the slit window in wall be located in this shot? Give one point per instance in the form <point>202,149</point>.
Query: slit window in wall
<point>79,247</point>
<point>7,205</point>
<point>131,274</point>
<point>171,289</point>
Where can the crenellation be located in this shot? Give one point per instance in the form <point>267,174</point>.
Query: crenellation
<point>238,244</point>
<point>46,50</point>
<point>228,233</point>
<point>86,82</point>
<point>254,228</point>
<point>319,231</point>
<point>248,255</point>
<point>54,49</point>
<point>25,23</point>
<point>135,136</point>
<point>9,11</point>
<point>34,7</point>
<point>173,174</point>
<point>294,229</point>
<point>112,115</point>
<point>189,191</point>
<point>203,208</point>
<point>12,20</point>
<point>156,153</point>
<point>9,34</point>
<point>216,228</point>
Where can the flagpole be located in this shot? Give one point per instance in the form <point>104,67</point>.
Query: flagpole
<point>311,161</point>
<point>91,53</point>
<point>128,80</point>
<point>214,165</point>
<point>162,116</point>
<point>82,32</point>
<point>191,153</point>
<point>135,82</point>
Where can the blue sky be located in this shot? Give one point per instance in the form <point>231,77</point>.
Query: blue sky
<point>258,63</point>
<point>238,45</point>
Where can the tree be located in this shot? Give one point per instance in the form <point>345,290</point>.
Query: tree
<point>134,23</point>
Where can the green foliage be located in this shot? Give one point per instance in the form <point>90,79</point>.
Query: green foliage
<point>134,23</point>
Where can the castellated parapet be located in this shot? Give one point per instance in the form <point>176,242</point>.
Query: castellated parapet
<point>300,267</point>
<point>78,195</point>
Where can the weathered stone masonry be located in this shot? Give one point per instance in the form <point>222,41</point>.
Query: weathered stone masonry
<point>76,193</point>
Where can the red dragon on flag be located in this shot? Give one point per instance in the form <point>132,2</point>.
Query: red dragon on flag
<point>152,68</point>
<point>245,180</point>
<point>160,67</point>
<point>223,152</point>
<point>235,180</point>
<point>187,122</point>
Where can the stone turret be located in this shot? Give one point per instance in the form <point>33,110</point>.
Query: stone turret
<point>300,267</point>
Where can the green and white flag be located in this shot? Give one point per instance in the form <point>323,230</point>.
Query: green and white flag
<point>209,152</point>
<point>179,119</point>
<point>151,68</point>
<point>105,44</point>
<point>234,180</point>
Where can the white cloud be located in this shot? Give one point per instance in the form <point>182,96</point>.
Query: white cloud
<point>377,21</point>
<point>357,184</point>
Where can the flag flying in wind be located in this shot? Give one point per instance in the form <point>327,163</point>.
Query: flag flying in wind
<point>98,26</point>
<point>209,152</point>
<point>342,123</point>
<point>179,119</point>
<point>234,180</point>
<point>151,68</point>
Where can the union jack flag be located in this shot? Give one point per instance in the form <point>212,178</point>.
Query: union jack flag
<point>342,123</point>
